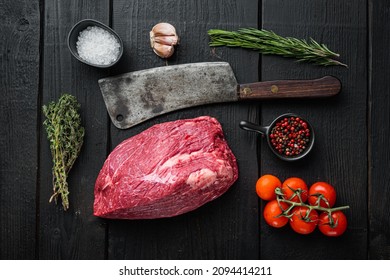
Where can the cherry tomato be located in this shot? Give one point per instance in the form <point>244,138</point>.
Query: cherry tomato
<point>337,228</point>
<point>271,212</point>
<point>266,185</point>
<point>324,192</point>
<point>291,184</point>
<point>302,224</point>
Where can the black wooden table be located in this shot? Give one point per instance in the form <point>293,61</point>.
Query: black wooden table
<point>352,129</point>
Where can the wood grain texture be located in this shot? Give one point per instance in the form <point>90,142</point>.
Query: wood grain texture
<point>327,86</point>
<point>351,150</point>
<point>339,155</point>
<point>224,228</point>
<point>19,80</point>
<point>379,188</point>
<point>76,233</point>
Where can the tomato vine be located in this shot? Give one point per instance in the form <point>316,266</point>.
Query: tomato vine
<point>292,204</point>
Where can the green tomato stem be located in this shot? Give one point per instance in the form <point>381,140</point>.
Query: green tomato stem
<point>292,204</point>
<point>313,207</point>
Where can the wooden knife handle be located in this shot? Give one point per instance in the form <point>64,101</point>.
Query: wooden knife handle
<point>323,87</point>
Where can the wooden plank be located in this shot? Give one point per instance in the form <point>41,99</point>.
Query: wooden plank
<point>76,233</point>
<point>379,204</point>
<point>226,228</point>
<point>340,152</point>
<point>19,80</point>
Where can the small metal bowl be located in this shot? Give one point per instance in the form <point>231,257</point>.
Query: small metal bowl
<point>266,130</point>
<point>82,25</point>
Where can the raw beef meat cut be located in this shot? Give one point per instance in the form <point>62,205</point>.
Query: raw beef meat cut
<point>167,170</point>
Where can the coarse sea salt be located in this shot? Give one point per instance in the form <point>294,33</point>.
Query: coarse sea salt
<point>97,46</point>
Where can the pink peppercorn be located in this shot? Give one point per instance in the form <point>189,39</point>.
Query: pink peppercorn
<point>290,136</point>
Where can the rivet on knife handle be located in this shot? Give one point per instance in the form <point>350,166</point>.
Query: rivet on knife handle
<point>323,87</point>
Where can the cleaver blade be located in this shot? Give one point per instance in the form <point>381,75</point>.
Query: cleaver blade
<point>134,97</point>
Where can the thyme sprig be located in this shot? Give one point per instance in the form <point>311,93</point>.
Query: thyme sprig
<point>268,42</point>
<point>65,134</point>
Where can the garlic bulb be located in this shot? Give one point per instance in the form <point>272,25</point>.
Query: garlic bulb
<point>163,39</point>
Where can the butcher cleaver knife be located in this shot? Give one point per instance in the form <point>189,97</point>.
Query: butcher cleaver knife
<point>134,97</point>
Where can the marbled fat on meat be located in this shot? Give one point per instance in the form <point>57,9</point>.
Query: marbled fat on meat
<point>167,170</point>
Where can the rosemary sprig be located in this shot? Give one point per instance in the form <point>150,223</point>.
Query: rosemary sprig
<point>65,134</point>
<point>268,42</point>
